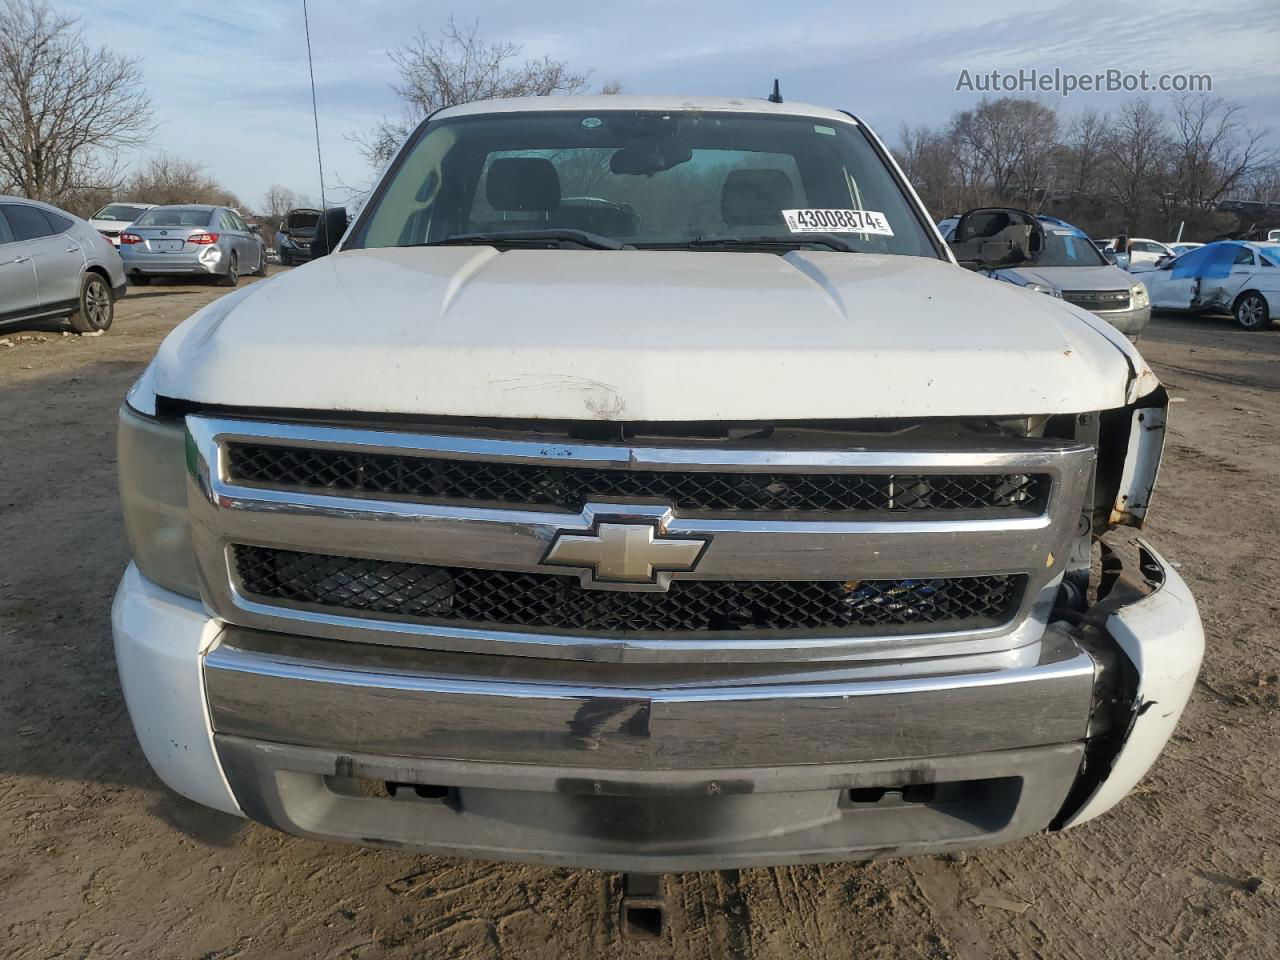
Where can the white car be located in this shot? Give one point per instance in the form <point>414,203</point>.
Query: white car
<point>112,219</point>
<point>1230,276</point>
<point>1180,248</point>
<point>1144,253</point>
<point>641,484</point>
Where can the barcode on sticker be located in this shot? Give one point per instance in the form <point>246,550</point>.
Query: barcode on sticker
<point>837,221</point>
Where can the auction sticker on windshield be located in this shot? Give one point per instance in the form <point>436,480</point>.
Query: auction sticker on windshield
<point>837,221</point>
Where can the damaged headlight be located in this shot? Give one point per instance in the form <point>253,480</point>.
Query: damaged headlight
<point>151,466</point>
<point>1139,296</point>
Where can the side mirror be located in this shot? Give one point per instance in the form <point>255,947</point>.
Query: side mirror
<point>988,238</point>
<point>1110,257</point>
<point>255,229</point>
<point>329,230</point>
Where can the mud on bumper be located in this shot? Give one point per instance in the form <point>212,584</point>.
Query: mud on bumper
<point>625,767</point>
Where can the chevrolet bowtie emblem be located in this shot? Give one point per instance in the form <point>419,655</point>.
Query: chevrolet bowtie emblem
<point>626,553</point>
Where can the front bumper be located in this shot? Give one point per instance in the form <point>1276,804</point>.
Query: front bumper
<point>650,768</point>
<point>1129,322</point>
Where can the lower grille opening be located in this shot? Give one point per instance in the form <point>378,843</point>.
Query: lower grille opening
<point>496,598</point>
<point>423,791</point>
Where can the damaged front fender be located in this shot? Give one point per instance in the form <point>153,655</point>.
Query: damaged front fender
<point>1130,448</point>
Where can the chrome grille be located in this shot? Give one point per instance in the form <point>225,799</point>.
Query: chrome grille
<point>951,546</point>
<point>1098,299</point>
<point>530,600</point>
<point>571,488</point>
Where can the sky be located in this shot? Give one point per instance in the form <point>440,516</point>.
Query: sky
<point>229,83</point>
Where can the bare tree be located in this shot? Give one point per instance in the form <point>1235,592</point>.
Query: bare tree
<point>169,179</point>
<point>1134,172</point>
<point>278,201</point>
<point>1013,140</point>
<point>612,88</point>
<point>457,66</point>
<point>1212,153</point>
<point>66,107</point>
<point>1085,150</point>
<point>276,204</point>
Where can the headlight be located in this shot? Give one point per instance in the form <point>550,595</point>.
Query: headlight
<point>151,465</point>
<point>1045,289</point>
<point>1139,295</point>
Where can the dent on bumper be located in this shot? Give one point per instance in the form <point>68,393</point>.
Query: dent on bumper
<point>1162,637</point>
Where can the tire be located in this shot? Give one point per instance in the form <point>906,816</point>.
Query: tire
<point>262,263</point>
<point>139,280</point>
<point>232,277</point>
<point>1252,312</point>
<point>96,308</point>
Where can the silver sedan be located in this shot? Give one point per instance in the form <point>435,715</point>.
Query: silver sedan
<point>191,239</point>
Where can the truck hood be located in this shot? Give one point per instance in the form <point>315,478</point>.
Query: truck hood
<point>642,336</point>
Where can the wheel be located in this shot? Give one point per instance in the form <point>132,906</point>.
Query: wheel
<point>139,280</point>
<point>232,276</point>
<point>1252,312</point>
<point>96,308</point>
<point>262,263</point>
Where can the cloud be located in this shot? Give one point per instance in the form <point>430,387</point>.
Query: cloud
<point>231,79</point>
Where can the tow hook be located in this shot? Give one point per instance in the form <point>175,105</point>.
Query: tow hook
<point>642,913</point>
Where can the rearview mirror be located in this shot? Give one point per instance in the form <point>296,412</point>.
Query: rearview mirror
<point>649,159</point>
<point>988,238</point>
<point>329,230</point>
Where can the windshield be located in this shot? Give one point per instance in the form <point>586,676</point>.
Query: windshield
<point>118,211</point>
<point>645,179</point>
<point>175,217</point>
<point>1068,247</point>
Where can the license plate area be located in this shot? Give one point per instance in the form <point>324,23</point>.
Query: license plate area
<point>167,246</point>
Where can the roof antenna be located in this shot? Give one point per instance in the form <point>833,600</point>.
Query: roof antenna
<point>775,97</point>
<point>315,117</point>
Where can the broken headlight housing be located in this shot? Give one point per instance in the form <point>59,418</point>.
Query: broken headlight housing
<point>151,466</point>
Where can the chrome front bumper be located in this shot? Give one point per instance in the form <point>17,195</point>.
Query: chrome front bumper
<point>656,768</point>
<point>619,767</point>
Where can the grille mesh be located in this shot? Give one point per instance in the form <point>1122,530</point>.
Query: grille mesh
<point>530,600</point>
<point>572,487</point>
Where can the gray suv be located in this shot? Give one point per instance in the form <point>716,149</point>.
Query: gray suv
<point>192,239</point>
<point>53,264</point>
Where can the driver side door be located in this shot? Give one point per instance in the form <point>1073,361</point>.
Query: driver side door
<point>1167,291</point>
<point>17,273</point>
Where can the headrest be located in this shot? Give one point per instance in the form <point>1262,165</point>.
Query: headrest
<point>755,197</point>
<point>523,183</point>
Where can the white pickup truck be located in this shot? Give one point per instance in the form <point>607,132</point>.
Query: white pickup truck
<point>641,484</point>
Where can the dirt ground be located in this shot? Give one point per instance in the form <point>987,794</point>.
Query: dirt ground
<point>103,861</point>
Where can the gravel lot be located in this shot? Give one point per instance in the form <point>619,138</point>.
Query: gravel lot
<point>105,862</point>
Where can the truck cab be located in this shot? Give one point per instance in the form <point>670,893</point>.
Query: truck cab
<point>641,484</point>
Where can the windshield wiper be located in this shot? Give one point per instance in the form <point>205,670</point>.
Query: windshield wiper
<point>555,235</point>
<point>828,240</point>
